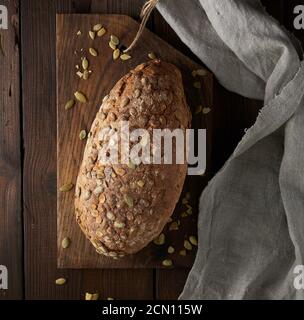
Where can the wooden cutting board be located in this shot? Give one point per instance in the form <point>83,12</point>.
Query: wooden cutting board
<point>105,73</point>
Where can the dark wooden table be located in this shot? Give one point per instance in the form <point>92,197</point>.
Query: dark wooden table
<point>28,153</point>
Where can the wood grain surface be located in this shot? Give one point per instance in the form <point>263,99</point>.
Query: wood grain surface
<point>105,73</point>
<point>33,148</point>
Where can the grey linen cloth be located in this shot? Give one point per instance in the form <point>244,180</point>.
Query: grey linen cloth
<point>251,220</point>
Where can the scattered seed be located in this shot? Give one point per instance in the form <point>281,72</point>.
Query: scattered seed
<point>173,226</point>
<point>193,240</point>
<point>97,27</point>
<point>193,73</point>
<point>79,74</point>
<point>187,245</point>
<point>206,110</point>
<point>125,57</point>
<point>82,134</point>
<point>184,201</point>
<point>66,187</point>
<point>184,215</point>
<point>112,45</point>
<point>160,240</point>
<point>85,63</point>
<point>140,183</point>
<point>201,72</point>
<point>80,97</point>
<point>198,109</point>
<point>78,33</point>
<point>70,104</point>
<point>92,35</point>
<point>116,54</point>
<point>183,253</point>
<point>167,263</point>
<point>93,52</point>
<point>65,243</point>
<point>95,296</point>
<point>101,32</point>
<point>128,200</point>
<point>152,55</point>
<point>114,40</point>
<point>60,281</point>
<point>197,85</point>
<point>88,296</point>
<point>109,298</point>
<point>85,75</point>
<point>171,250</point>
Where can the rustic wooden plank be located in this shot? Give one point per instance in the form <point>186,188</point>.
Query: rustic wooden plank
<point>82,254</point>
<point>10,156</point>
<point>39,109</point>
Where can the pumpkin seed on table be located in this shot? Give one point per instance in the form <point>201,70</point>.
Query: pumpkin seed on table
<point>70,104</point>
<point>160,240</point>
<point>101,32</point>
<point>109,298</point>
<point>85,63</point>
<point>92,35</point>
<point>193,240</point>
<point>91,296</point>
<point>173,226</point>
<point>167,263</point>
<point>79,74</point>
<point>171,250</point>
<point>183,252</point>
<point>197,85</point>
<point>78,33</point>
<point>85,75</point>
<point>125,57</point>
<point>116,54</point>
<point>114,40</point>
<point>97,27</point>
<point>80,97</point>
<point>93,52</point>
<point>65,243</point>
<point>187,245</point>
<point>82,134</point>
<point>206,110</point>
<point>112,46</point>
<point>152,55</point>
<point>66,187</point>
<point>60,281</point>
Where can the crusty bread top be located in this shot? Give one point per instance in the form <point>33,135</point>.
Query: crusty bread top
<point>121,208</point>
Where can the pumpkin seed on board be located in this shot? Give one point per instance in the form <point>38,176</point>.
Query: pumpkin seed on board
<point>80,97</point>
<point>60,281</point>
<point>82,134</point>
<point>160,240</point>
<point>114,40</point>
<point>85,63</point>
<point>65,243</point>
<point>101,32</point>
<point>152,55</point>
<point>97,27</point>
<point>167,263</point>
<point>66,187</point>
<point>125,57</point>
<point>193,240</point>
<point>116,54</point>
<point>70,104</point>
<point>93,52</point>
<point>206,110</point>
<point>112,46</point>
<point>92,35</point>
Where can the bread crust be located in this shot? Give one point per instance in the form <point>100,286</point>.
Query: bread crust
<point>122,208</point>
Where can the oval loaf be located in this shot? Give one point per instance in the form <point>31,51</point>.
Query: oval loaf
<point>121,208</point>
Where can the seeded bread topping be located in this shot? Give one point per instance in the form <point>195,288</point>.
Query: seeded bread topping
<point>122,208</point>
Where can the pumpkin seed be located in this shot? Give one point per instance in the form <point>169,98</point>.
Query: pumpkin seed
<point>112,45</point>
<point>60,281</point>
<point>85,75</point>
<point>80,97</point>
<point>70,104</point>
<point>198,109</point>
<point>171,250</point>
<point>116,54</point>
<point>93,52</point>
<point>201,72</point>
<point>173,226</point>
<point>184,201</point>
<point>109,298</point>
<point>85,63</point>
<point>101,32</point>
<point>206,110</point>
<point>184,215</point>
<point>193,73</point>
<point>82,134</point>
<point>125,57</point>
<point>140,183</point>
<point>167,263</point>
<point>66,187</point>
<point>183,252</point>
<point>197,85</point>
<point>114,40</point>
<point>78,33</point>
<point>193,240</point>
<point>97,27</point>
<point>88,296</point>
<point>128,200</point>
<point>187,245</point>
<point>95,296</point>
<point>152,55</point>
<point>160,240</point>
<point>65,243</point>
<point>92,35</point>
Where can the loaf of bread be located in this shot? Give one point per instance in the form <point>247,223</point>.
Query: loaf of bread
<point>122,208</point>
